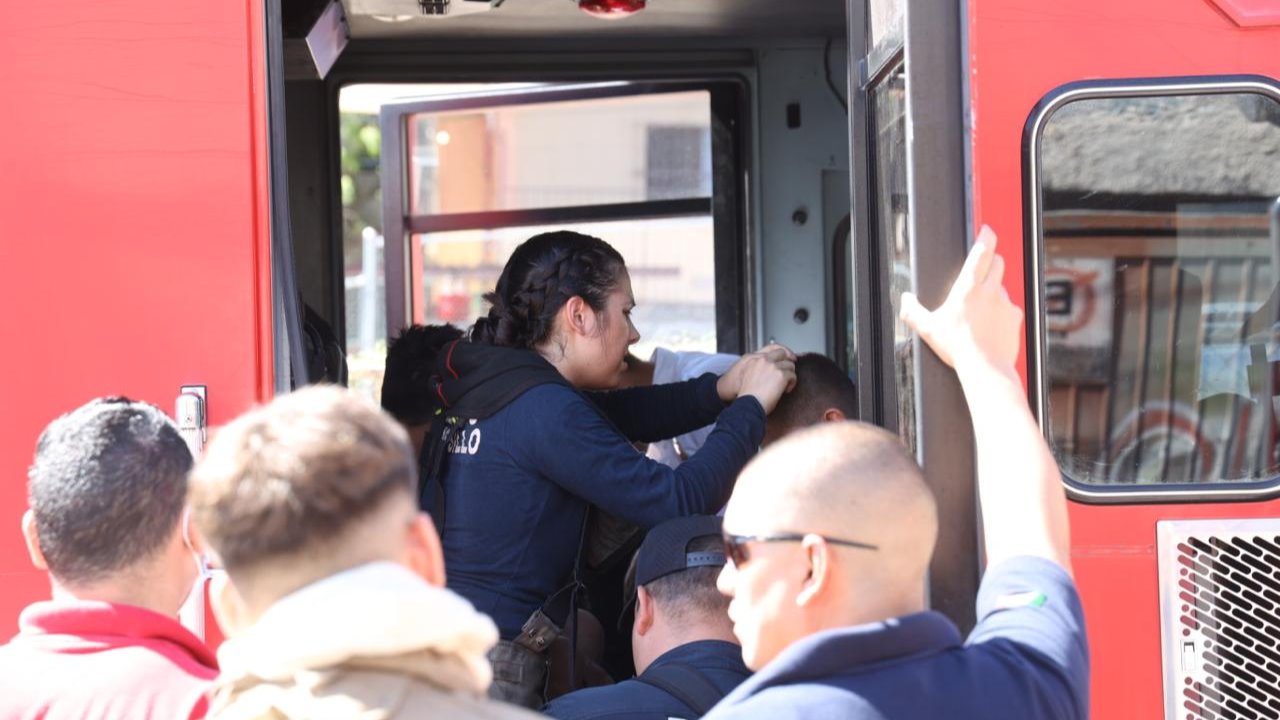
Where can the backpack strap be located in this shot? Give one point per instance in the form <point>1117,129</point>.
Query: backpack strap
<point>684,683</point>
<point>441,433</point>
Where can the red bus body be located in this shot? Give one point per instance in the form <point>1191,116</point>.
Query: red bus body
<point>135,223</point>
<point>1020,51</point>
<point>137,233</point>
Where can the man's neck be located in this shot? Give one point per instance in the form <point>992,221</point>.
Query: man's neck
<point>118,591</point>
<point>670,638</point>
<point>862,614</point>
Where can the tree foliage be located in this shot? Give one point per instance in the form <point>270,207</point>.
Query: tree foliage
<point>361,142</point>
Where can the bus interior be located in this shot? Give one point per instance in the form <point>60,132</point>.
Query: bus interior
<point>706,140</point>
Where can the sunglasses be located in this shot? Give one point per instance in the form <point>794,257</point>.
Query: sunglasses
<point>735,546</point>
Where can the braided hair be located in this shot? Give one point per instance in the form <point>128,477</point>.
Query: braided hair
<point>542,274</point>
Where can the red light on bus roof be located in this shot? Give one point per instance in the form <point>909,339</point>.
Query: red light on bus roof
<point>611,9</point>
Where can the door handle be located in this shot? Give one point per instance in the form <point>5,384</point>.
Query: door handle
<point>191,412</point>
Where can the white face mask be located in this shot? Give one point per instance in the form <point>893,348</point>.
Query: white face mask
<point>192,612</point>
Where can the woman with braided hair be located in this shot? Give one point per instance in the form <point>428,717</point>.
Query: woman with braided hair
<point>529,437</point>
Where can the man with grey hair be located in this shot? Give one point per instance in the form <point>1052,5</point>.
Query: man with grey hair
<point>107,494</point>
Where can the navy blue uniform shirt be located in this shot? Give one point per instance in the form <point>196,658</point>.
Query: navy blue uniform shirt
<point>517,483</point>
<point>1026,659</point>
<point>719,662</point>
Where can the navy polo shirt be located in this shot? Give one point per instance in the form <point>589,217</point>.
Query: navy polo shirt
<point>1026,659</point>
<point>720,662</point>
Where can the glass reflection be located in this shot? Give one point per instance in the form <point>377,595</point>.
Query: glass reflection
<point>892,230</point>
<point>1160,233</point>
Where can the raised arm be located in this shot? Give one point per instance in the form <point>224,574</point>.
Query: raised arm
<point>977,331</point>
<point>658,412</point>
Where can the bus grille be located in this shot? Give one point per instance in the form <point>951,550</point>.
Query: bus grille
<point>1220,617</point>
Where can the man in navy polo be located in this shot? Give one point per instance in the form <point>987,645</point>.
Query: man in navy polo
<point>830,533</point>
<point>682,641</point>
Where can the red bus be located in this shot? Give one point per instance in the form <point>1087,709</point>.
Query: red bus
<point>195,206</point>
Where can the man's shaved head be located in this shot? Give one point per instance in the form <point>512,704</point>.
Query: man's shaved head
<point>844,481</point>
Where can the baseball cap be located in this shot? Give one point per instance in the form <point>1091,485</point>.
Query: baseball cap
<point>665,550</point>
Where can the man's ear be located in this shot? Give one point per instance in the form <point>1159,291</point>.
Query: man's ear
<point>32,538</point>
<point>644,611</point>
<point>425,556</point>
<point>833,415</point>
<point>818,554</point>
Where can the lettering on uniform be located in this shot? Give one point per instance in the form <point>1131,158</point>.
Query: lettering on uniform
<point>466,441</point>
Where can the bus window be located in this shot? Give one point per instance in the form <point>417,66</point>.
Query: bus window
<point>884,21</point>
<point>1158,307</point>
<point>634,169</point>
<point>891,227</point>
<point>671,263</point>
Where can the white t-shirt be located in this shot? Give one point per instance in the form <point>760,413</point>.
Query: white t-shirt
<point>668,367</point>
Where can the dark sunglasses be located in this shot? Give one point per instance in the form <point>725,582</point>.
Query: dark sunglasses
<point>735,546</point>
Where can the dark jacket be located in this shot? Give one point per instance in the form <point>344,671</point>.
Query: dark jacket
<point>1026,659</point>
<point>720,663</point>
<point>528,453</point>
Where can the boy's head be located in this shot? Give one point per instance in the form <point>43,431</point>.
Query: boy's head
<point>823,393</point>
<point>406,384</point>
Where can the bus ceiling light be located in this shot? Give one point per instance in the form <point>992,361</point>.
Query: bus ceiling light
<point>450,8</point>
<point>611,9</point>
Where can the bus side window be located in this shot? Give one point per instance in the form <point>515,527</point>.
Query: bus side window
<point>1157,245</point>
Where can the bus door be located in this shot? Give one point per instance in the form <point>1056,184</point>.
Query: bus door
<point>1126,154</point>
<point>909,227</point>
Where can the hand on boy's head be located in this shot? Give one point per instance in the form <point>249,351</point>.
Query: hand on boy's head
<point>977,322</point>
<point>777,356</point>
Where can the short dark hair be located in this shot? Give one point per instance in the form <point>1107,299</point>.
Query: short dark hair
<point>690,592</point>
<point>107,487</point>
<point>820,384</point>
<point>289,478</point>
<point>411,357</point>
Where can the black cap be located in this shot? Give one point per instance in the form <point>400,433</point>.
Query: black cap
<point>665,550</point>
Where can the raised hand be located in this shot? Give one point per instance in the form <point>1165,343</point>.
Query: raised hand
<point>977,322</point>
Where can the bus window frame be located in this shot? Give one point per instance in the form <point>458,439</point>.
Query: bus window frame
<point>874,363</point>
<point>931,53</point>
<point>725,205</point>
<point>1033,243</point>
<point>289,354</point>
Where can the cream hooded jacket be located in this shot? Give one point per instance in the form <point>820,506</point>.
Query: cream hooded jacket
<point>372,642</point>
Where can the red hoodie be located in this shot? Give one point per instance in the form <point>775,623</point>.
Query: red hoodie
<point>98,661</point>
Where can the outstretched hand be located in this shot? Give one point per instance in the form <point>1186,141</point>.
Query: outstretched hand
<point>977,323</point>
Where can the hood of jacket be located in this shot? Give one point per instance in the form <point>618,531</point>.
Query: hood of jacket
<point>475,381</point>
<point>377,616</point>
